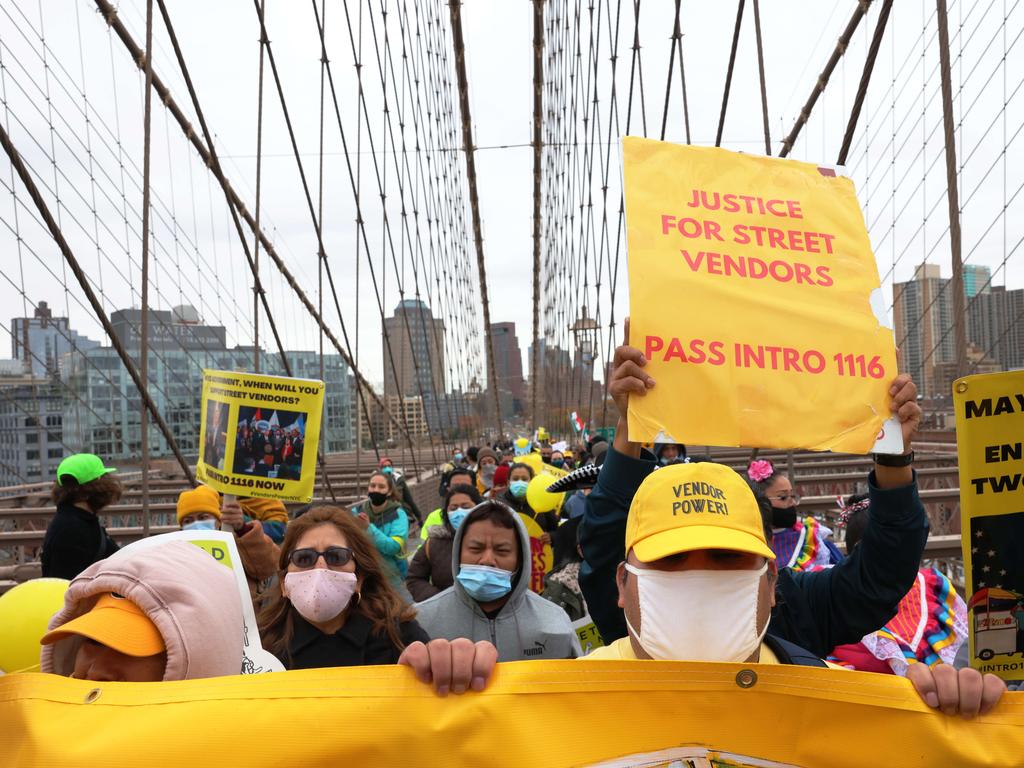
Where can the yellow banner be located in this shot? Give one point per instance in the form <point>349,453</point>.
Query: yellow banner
<point>752,287</point>
<point>601,713</point>
<point>259,434</point>
<point>989,430</point>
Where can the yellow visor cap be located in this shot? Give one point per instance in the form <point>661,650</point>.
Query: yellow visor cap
<point>686,507</point>
<point>116,622</point>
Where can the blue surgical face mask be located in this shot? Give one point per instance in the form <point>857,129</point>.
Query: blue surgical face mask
<point>518,488</point>
<point>386,470</point>
<point>201,525</point>
<point>456,516</point>
<point>484,583</point>
<point>558,462</point>
<point>458,457</point>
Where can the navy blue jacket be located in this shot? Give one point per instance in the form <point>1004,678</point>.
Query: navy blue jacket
<point>817,610</point>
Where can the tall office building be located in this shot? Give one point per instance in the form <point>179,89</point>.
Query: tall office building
<point>995,323</point>
<point>923,322</point>
<point>413,351</point>
<point>30,428</point>
<point>508,367</point>
<point>42,340</point>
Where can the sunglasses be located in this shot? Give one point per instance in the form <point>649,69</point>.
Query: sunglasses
<point>335,557</point>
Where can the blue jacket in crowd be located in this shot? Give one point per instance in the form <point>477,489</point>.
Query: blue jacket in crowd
<point>817,610</point>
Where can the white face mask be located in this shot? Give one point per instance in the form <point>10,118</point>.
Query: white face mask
<point>698,615</point>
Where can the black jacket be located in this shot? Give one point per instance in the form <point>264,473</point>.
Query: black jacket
<point>74,540</point>
<point>816,611</point>
<point>354,645</point>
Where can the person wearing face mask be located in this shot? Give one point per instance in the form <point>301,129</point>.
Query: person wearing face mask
<point>670,453</point>
<point>698,584</point>
<point>487,465</point>
<point>201,508</point>
<point>387,466</point>
<point>336,608</point>
<point>431,568</point>
<point>456,476</point>
<point>500,483</point>
<point>385,522</point>
<point>166,613</point>
<point>490,599</point>
<point>800,544</point>
<point>335,605</point>
<point>519,477</point>
<point>557,459</point>
<point>459,458</point>
<point>545,452</point>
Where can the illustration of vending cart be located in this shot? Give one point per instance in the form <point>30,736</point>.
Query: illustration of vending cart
<point>997,613</point>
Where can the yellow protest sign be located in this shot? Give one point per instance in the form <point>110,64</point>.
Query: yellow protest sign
<point>542,556</point>
<point>259,434</point>
<point>989,431</point>
<point>586,631</point>
<point>753,295</point>
<point>608,713</point>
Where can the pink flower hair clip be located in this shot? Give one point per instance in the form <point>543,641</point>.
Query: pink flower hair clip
<point>760,470</point>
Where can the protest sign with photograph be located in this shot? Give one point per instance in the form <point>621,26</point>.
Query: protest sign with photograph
<point>220,545</point>
<point>754,296</point>
<point>989,431</point>
<point>255,433</point>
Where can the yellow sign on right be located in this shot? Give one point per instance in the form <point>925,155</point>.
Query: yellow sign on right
<point>990,444</point>
<point>755,297</point>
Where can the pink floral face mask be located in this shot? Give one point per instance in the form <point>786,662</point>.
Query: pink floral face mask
<point>320,594</point>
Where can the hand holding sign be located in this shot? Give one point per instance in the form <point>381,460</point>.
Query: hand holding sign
<point>905,407</point>
<point>628,375</point>
<point>231,516</point>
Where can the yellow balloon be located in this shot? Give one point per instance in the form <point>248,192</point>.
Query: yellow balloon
<point>538,497</point>
<point>25,611</point>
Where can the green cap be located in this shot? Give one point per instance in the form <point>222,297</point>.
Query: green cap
<point>83,467</point>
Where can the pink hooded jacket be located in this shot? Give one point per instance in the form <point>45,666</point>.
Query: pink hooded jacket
<point>190,597</point>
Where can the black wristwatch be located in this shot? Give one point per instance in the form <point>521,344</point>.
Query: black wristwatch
<point>889,460</point>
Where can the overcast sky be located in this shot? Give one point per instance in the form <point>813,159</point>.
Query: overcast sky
<point>897,161</point>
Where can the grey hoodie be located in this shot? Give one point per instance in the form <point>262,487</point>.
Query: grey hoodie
<point>527,627</point>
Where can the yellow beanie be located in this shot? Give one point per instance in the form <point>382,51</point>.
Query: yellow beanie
<point>264,510</point>
<point>200,499</point>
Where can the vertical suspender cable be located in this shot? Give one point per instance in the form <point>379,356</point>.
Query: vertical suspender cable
<point>474,200</point>
<point>256,213</point>
<point>865,78</point>
<point>728,72</point>
<point>538,109</point>
<point>760,72</point>
<point>952,192</point>
<point>144,333</point>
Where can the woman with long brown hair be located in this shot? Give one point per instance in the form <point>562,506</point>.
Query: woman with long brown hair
<point>336,606</point>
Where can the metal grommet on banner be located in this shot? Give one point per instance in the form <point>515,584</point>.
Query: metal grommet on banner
<point>746,678</point>
<point>961,387</point>
<point>92,695</point>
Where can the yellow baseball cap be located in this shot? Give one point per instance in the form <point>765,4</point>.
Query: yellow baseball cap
<point>116,622</point>
<point>684,507</point>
